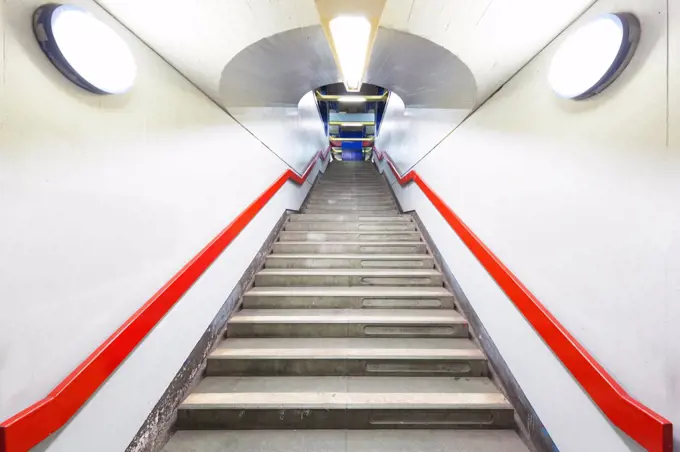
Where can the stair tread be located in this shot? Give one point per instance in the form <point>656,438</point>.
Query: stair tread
<point>355,348</point>
<point>351,291</point>
<point>363,217</point>
<point>346,393</point>
<point>373,316</point>
<point>351,256</point>
<point>412,272</point>
<point>346,440</point>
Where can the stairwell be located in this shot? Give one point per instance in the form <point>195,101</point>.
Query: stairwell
<point>347,341</point>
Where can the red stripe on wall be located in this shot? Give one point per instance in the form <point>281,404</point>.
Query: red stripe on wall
<point>649,429</point>
<point>32,425</point>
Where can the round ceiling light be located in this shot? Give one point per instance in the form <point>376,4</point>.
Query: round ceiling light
<point>592,57</point>
<point>87,51</point>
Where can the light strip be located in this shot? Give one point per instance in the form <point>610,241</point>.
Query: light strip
<point>352,99</point>
<point>351,36</point>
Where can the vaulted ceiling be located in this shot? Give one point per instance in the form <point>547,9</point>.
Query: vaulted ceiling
<point>488,41</point>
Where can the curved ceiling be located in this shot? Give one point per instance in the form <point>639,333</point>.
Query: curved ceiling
<point>493,38</point>
<point>280,69</point>
<point>421,72</point>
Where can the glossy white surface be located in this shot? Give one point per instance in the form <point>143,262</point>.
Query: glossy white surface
<point>295,134</point>
<point>410,133</point>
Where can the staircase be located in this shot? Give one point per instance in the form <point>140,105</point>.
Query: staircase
<point>348,341</point>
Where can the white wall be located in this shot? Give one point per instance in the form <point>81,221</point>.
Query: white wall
<point>103,200</point>
<point>294,134</point>
<point>581,200</point>
<point>410,133</point>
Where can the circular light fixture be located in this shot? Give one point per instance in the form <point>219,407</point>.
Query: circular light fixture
<point>87,51</point>
<point>592,57</point>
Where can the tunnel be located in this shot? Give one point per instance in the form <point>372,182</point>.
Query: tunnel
<point>216,237</point>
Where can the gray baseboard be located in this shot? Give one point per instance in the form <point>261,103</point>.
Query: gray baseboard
<point>157,429</point>
<point>529,426</point>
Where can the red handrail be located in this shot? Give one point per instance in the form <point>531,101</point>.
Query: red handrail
<point>648,428</point>
<point>32,425</point>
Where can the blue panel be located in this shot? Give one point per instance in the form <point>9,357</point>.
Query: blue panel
<point>349,155</point>
<point>351,145</point>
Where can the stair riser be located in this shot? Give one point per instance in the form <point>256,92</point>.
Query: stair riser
<point>349,208</point>
<point>352,181</point>
<point>353,217</point>
<point>348,248</point>
<point>324,190</point>
<point>391,207</point>
<point>244,367</point>
<point>330,302</point>
<point>280,262</point>
<point>346,199</point>
<point>348,226</point>
<point>304,418</point>
<point>264,280</point>
<point>345,330</point>
<point>297,236</point>
<point>352,203</point>
<point>351,189</point>
<point>392,211</point>
<point>353,194</point>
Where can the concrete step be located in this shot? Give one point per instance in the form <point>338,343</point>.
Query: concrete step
<point>347,357</point>
<point>312,210</point>
<point>413,323</point>
<point>347,201</point>
<point>349,204</point>
<point>351,195</point>
<point>350,188</point>
<point>348,236</point>
<point>378,247</point>
<point>357,297</point>
<point>345,441</point>
<point>345,402</point>
<point>349,261</point>
<point>330,208</point>
<point>375,226</point>
<point>349,179</point>
<point>300,277</point>
<point>387,215</point>
<point>358,178</point>
<point>338,217</point>
<point>320,200</point>
<point>356,187</point>
<point>355,194</point>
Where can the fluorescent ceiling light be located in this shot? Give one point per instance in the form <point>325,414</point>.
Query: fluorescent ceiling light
<point>351,37</point>
<point>352,124</point>
<point>355,99</point>
<point>593,56</point>
<point>85,49</point>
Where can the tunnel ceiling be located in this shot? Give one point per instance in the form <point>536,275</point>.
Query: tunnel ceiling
<point>492,38</point>
<point>280,69</point>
